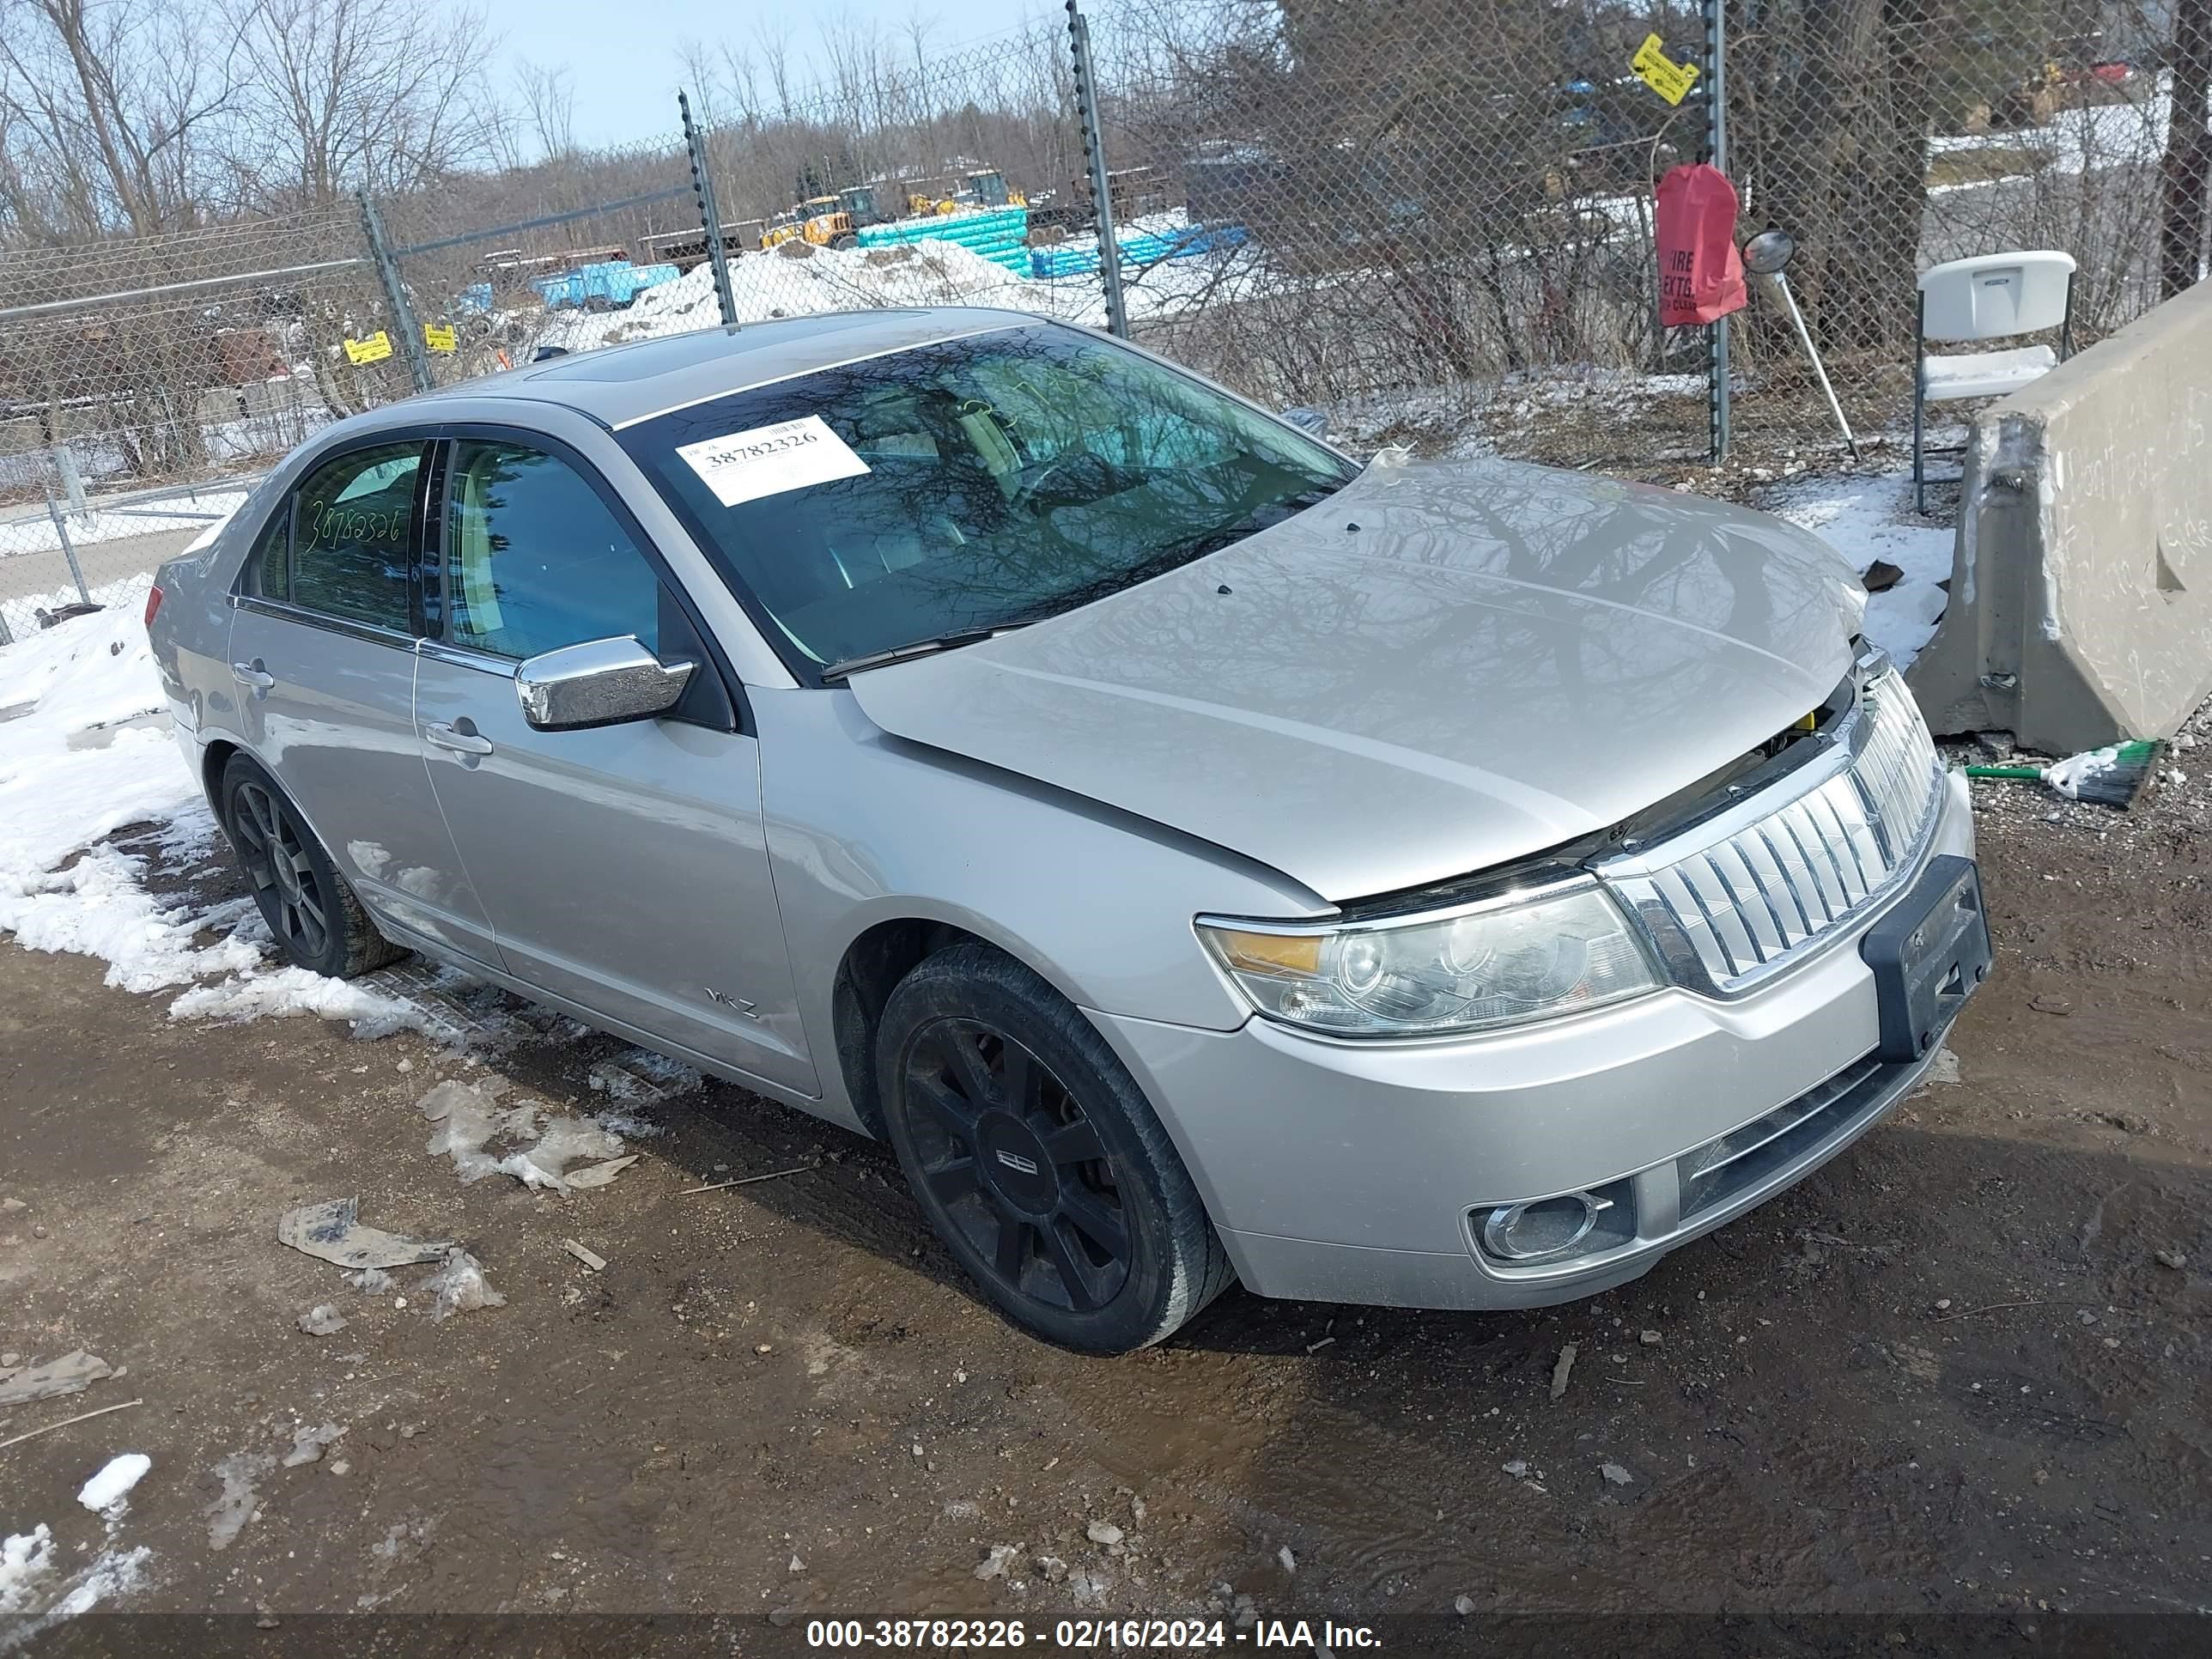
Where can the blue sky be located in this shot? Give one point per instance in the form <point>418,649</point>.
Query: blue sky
<point>622,54</point>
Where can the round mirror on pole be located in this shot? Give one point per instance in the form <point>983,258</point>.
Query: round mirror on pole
<point>1769,253</point>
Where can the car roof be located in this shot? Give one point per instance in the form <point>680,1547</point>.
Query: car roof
<point>620,385</point>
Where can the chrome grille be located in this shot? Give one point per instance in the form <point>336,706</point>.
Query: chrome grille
<point>1730,901</point>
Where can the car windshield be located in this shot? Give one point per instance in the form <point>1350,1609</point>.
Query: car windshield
<point>970,484</point>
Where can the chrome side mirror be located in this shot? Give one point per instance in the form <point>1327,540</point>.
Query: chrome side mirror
<point>1312,422</point>
<point>599,683</point>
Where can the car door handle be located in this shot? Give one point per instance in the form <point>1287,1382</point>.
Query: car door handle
<point>253,674</point>
<point>443,736</point>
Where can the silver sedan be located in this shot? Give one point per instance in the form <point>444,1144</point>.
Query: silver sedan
<point>1203,857</point>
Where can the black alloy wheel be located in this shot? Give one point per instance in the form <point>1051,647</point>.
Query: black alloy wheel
<point>1038,1159</point>
<point>315,918</point>
<point>1020,1170</point>
<point>273,845</point>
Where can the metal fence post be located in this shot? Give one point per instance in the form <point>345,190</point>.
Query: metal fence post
<point>1716,371</point>
<point>710,216</point>
<point>1094,153</point>
<point>72,476</point>
<point>61,529</point>
<point>395,295</point>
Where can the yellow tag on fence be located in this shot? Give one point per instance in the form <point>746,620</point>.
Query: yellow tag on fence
<point>439,339</point>
<point>375,350</point>
<point>1670,80</point>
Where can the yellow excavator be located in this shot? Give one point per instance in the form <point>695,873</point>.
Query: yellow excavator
<point>837,221</point>
<point>826,221</point>
<point>985,189</point>
<point>823,220</point>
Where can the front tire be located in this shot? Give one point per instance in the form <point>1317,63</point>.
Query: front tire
<point>311,912</point>
<point>1038,1160</point>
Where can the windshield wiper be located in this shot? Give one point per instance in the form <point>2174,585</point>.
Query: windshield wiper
<point>913,649</point>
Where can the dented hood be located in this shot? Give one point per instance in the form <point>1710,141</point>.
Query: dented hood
<point>1442,667</point>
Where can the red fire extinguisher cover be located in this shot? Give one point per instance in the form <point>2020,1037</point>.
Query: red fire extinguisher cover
<point>1700,272</point>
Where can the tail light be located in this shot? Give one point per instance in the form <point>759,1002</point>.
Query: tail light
<point>153,604</point>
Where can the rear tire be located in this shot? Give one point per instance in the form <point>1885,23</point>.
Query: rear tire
<point>311,912</point>
<point>1037,1158</point>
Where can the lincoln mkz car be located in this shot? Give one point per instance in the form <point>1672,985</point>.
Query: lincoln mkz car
<point>1202,856</point>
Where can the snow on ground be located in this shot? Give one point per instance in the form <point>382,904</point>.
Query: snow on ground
<point>1866,519</point>
<point>25,1557</point>
<point>108,1493</point>
<point>2081,138</point>
<point>85,751</point>
<point>28,1561</point>
<point>770,285</point>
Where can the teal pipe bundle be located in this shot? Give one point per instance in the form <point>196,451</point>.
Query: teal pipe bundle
<point>1143,248</point>
<point>999,235</point>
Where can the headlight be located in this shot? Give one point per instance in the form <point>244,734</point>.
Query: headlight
<point>1502,962</point>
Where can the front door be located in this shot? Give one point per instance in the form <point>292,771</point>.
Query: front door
<point>623,867</point>
<point>322,652</point>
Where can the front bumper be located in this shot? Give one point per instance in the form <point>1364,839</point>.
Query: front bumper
<point>1359,1172</point>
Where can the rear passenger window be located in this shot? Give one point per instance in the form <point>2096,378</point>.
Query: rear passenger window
<point>534,559</point>
<point>353,532</point>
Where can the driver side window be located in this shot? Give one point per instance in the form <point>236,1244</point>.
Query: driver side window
<point>535,560</point>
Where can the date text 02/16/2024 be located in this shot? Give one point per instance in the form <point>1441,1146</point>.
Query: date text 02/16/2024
<point>1112,1635</point>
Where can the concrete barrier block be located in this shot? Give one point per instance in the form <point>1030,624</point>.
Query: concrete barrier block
<point>2081,581</point>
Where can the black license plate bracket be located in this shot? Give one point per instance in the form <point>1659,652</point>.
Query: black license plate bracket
<point>1928,954</point>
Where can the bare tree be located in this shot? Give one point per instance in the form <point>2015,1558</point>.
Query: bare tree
<point>342,97</point>
<point>772,40</point>
<point>548,104</point>
<point>105,107</point>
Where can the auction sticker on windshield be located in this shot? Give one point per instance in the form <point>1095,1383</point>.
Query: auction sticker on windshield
<point>766,460</point>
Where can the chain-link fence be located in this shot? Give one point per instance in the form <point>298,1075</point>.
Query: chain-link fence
<point>1888,135</point>
<point>950,179</point>
<point>1336,202</point>
<point>576,251</point>
<point>1425,201</point>
<point>144,382</point>
<point>958,180</point>
<point>1440,211</point>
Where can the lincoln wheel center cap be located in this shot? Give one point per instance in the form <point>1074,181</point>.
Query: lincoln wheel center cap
<point>1015,1164</point>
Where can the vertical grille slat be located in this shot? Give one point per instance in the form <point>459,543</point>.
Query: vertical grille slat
<point>1850,806</point>
<point>1682,903</point>
<point>1820,874</point>
<point>1712,896</point>
<point>1751,902</point>
<point>1836,840</point>
<point>1745,903</point>
<point>1764,856</point>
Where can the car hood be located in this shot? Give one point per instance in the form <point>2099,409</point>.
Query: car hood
<point>1442,667</point>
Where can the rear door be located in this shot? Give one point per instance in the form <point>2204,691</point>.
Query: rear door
<point>322,653</point>
<point>624,868</point>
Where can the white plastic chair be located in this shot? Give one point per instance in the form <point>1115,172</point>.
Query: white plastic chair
<point>1992,296</point>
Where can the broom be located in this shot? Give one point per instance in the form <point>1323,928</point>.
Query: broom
<point>2111,776</point>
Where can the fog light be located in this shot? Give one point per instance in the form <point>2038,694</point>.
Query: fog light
<point>1548,1227</point>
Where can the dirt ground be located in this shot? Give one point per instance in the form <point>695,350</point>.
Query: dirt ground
<point>1948,1376</point>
